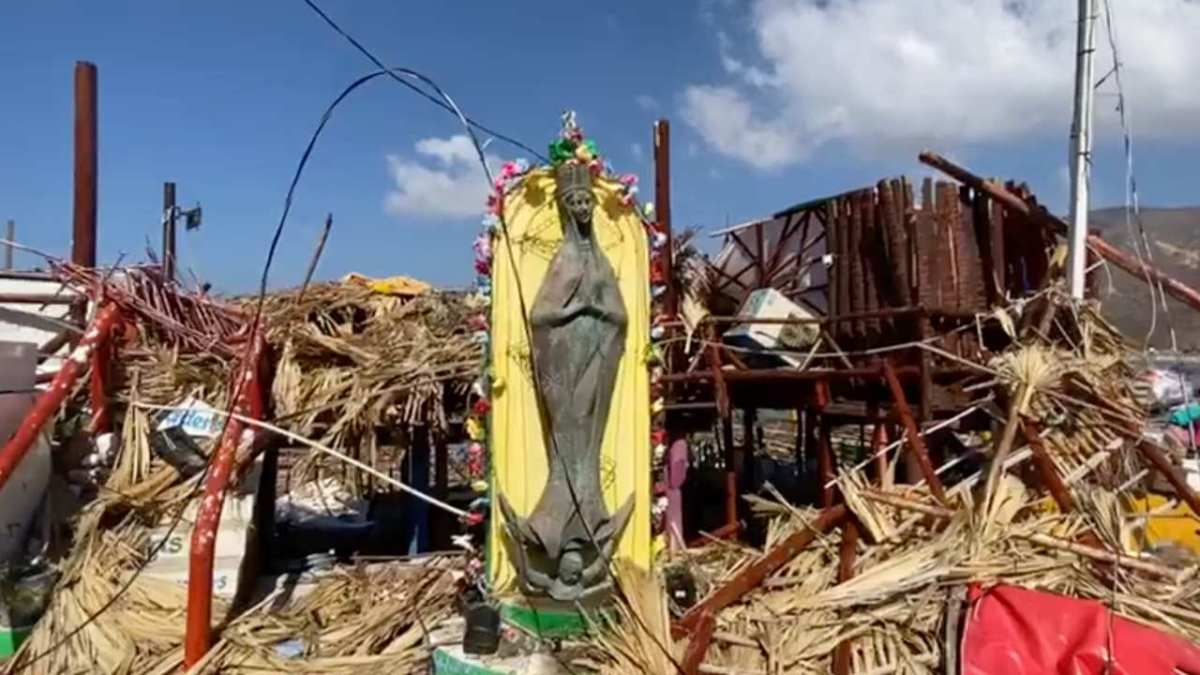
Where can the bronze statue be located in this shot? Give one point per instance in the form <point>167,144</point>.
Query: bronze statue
<point>578,323</point>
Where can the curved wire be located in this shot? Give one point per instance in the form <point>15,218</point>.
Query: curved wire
<point>1133,213</point>
<point>470,130</point>
<point>441,104</point>
<point>255,325</point>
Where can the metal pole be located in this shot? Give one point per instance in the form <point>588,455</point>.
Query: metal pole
<point>10,233</point>
<point>1081,148</point>
<point>83,241</point>
<point>168,233</point>
<point>662,209</point>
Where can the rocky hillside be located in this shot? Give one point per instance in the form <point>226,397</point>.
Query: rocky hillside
<point>1175,237</point>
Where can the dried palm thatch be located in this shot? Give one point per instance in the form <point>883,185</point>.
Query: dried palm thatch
<point>104,616</point>
<point>890,614</point>
<point>371,618</point>
<point>107,617</point>
<point>352,361</point>
<point>637,637</point>
<point>163,312</point>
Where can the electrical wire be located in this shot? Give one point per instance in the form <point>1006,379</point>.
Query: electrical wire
<point>1133,214</point>
<point>470,126</point>
<point>261,297</point>
<point>421,92</point>
<point>1132,204</point>
<point>466,123</point>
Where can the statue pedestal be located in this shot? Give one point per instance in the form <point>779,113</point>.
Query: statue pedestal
<point>519,652</point>
<point>549,619</point>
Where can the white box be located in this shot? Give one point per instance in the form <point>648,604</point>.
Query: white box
<point>171,561</point>
<point>25,489</point>
<point>768,303</point>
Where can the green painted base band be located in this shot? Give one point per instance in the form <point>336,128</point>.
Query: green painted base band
<point>544,622</point>
<point>11,639</point>
<point>448,663</point>
<point>552,621</point>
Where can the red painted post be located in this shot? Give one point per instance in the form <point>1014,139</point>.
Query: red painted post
<point>98,383</point>
<point>47,404</point>
<point>825,463</point>
<point>198,638</point>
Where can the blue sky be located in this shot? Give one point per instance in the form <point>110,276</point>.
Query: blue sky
<point>221,98</point>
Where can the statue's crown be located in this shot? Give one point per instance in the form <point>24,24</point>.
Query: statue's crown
<point>571,176</point>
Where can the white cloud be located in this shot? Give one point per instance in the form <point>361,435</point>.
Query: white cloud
<point>646,102</point>
<point>445,180</point>
<point>752,75</point>
<point>727,122</point>
<point>637,151</point>
<point>891,75</point>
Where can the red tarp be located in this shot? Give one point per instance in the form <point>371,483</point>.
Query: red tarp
<point>1015,631</point>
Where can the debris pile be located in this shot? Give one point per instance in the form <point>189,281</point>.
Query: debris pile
<point>354,360</point>
<point>876,582</point>
<point>369,618</point>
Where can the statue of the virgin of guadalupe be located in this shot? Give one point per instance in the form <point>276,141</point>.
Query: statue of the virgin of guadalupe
<point>578,324</point>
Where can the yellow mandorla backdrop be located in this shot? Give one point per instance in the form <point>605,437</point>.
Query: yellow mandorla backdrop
<point>517,446</point>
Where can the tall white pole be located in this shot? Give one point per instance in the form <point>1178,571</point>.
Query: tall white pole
<point>1081,147</point>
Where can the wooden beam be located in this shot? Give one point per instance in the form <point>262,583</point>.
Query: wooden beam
<point>753,574</point>
<point>1158,460</point>
<point>915,443</point>
<point>847,553</point>
<point>1045,467</point>
<point>825,463</point>
<point>1135,268</point>
<point>698,647</point>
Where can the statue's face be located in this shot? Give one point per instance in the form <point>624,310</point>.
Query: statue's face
<point>579,203</point>
<point>570,567</point>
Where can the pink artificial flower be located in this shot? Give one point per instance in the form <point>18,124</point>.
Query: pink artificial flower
<point>628,179</point>
<point>483,247</point>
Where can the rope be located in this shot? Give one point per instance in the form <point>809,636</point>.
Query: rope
<point>434,501</point>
